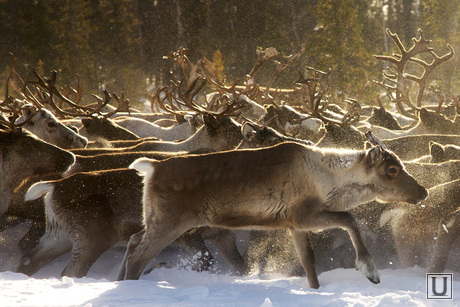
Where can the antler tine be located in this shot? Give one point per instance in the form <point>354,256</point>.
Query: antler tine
<point>399,78</point>
<point>169,96</point>
<point>123,104</point>
<point>315,88</point>
<point>26,93</point>
<point>183,93</point>
<point>7,81</point>
<point>7,123</point>
<point>281,66</point>
<point>262,57</point>
<point>49,85</point>
<point>441,95</point>
<point>7,106</point>
<point>353,113</point>
<point>67,90</point>
<point>101,102</point>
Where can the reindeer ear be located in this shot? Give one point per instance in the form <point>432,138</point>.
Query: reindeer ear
<point>248,131</point>
<point>424,115</point>
<point>27,111</point>
<point>86,122</point>
<point>437,151</point>
<point>181,118</point>
<point>270,109</point>
<point>374,155</point>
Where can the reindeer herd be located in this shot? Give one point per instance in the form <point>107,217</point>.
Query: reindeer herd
<point>209,167</point>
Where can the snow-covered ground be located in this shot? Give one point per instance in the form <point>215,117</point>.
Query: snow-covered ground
<point>180,286</point>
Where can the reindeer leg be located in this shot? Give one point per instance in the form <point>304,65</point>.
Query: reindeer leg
<point>448,232</point>
<point>158,234</point>
<point>133,242</point>
<point>332,219</point>
<point>53,244</point>
<point>304,249</point>
<point>225,242</point>
<point>195,244</point>
<point>84,253</point>
<point>32,237</point>
<point>9,221</point>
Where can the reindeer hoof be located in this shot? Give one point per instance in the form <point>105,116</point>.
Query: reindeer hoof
<point>374,279</point>
<point>368,269</point>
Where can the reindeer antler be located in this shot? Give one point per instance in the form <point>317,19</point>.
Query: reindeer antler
<point>262,57</point>
<point>396,84</point>
<point>280,66</point>
<point>179,96</point>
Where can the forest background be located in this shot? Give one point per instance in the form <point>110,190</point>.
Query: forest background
<point>120,44</point>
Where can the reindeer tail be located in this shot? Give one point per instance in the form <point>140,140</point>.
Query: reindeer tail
<point>144,166</point>
<point>38,190</point>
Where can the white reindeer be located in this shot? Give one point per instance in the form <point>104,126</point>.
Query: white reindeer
<point>46,126</point>
<point>144,128</point>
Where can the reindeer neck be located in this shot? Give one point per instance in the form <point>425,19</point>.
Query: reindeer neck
<point>351,186</point>
<point>7,186</point>
<point>346,161</point>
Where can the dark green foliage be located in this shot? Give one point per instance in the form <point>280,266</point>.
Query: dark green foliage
<point>120,44</point>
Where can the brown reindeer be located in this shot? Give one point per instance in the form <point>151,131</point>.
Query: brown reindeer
<point>23,155</point>
<point>448,233</point>
<point>89,190</point>
<point>429,122</point>
<point>114,200</point>
<point>442,153</point>
<point>217,133</point>
<point>289,186</point>
<point>291,122</point>
<point>95,128</point>
<point>416,229</point>
<point>383,118</point>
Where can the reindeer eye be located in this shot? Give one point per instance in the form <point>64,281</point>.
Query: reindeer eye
<point>51,124</point>
<point>392,171</point>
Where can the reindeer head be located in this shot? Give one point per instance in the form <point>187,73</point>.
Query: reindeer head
<point>380,117</point>
<point>390,178</point>
<point>19,147</point>
<point>101,127</point>
<point>46,126</point>
<point>258,137</point>
<point>289,121</point>
<point>441,153</point>
<point>438,123</point>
